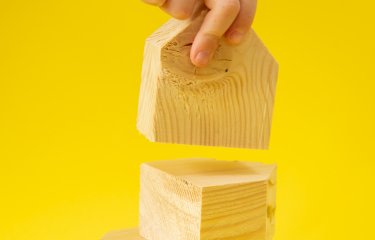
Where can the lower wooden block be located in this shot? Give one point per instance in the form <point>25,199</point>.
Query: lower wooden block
<point>206,199</point>
<point>126,234</point>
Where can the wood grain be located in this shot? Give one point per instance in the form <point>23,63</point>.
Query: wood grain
<point>228,103</point>
<point>206,199</point>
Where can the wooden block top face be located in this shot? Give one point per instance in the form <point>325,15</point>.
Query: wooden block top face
<point>210,172</point>
<point>227,103</point>
<point>127,234</point>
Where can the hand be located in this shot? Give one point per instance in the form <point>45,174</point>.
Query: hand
<point>229,18</point>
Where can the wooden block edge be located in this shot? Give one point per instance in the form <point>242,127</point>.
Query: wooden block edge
<point>124,234</point>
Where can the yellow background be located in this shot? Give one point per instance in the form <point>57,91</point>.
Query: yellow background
<point>70,152</point>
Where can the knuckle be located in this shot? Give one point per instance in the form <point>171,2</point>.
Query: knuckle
<point>212,36</point>
<point>182,13</point>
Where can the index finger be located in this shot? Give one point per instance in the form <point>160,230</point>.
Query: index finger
<point>220,17</point>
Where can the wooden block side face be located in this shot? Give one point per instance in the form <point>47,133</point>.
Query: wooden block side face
<point>170,208</point>
<point>127,234</point>
<point>228,103</point>
<point>147,98</point>
<point>235,212</point>
<point>151,70</point>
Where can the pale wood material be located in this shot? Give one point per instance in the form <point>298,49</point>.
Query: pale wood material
<point>228,103</point>
<point>127,234</point>
<point>207,199</point>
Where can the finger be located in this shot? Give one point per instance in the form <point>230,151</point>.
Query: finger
<point>215,24</point>
<point>243,22</point>
<point>155,2</point>
<point>180,9</point>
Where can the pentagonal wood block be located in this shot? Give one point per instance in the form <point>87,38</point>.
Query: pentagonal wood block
<point>127,234</point>
<point>228,103</point>
<point>207,199</point>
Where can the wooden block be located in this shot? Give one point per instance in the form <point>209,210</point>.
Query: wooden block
<point>127,234</point>
<point>207,199</point>
<point>228,103</point>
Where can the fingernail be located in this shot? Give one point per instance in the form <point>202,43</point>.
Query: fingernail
<point>236,36</point>
<point>202,58</point>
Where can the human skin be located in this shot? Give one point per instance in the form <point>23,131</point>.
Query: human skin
<point>231,19</point>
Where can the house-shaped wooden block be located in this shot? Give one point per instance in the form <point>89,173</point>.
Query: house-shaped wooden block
<point>228,103</point>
